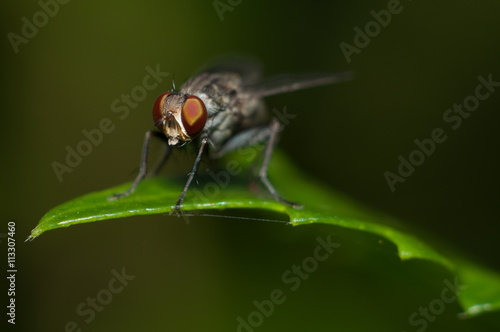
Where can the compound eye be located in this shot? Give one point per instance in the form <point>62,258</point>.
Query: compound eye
<point>158,108</point>
<point>194,115</point>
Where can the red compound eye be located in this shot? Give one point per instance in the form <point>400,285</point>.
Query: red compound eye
<point>158,108</point>
<point>194,115</point>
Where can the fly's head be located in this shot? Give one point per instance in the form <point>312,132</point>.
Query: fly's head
<point>180,117</point>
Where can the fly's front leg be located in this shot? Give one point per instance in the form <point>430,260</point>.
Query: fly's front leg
<point>144,165</point>
<point>163,160</point>
<point>177,207</point>
<point>275,129</point>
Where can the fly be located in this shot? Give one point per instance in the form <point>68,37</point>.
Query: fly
<point>221,110</point>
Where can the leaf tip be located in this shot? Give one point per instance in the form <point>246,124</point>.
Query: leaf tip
<point>34,233</point>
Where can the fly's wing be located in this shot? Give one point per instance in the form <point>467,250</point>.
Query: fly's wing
<point>288,83</point>
<point>216,84</point>
<point>249,69</point>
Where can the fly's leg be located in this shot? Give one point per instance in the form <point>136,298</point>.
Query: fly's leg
<point>254,136</point>
<point>143,167</point>
<point>275,129</point>
<point>177,207</point>
<point>163,160</point>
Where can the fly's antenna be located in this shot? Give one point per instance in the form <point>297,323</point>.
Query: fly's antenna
<point>174,90</point>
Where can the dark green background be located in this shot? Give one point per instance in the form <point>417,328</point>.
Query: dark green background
<point>201,276</point>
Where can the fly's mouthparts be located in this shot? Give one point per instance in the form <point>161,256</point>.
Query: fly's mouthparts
<point>173,140</point>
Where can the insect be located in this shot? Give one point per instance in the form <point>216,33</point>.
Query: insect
<point>222,110</point>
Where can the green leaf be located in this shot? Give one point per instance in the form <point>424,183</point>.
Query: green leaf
<point>321,205</point>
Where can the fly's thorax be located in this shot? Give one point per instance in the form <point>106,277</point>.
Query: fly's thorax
<point>180,117</point>
<point>254,113</point>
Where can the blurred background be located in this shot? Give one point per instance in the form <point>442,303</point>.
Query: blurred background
<point>63,77</point>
